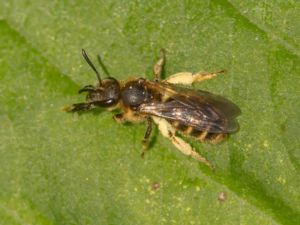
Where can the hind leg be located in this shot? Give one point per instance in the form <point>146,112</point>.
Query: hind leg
<point>187,78</point>
<point>169,132</point>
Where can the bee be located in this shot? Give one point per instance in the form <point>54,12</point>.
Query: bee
<point>200,114</point>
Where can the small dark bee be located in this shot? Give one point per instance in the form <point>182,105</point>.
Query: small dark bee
<point>200,114</point>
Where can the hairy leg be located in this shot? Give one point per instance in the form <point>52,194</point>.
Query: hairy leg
<point>169,132</point>
<point>187,78</point>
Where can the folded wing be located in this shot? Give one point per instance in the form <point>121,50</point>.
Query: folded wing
<point>199,109</point>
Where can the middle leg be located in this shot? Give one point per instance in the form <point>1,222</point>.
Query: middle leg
<point>147,136</point>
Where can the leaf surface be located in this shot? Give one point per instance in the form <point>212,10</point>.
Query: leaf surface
<point>59,168</point>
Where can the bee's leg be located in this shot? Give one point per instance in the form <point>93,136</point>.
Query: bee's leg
<point>216,139</point>
<point>146,136</point>
<point>159,65</point>
<point>120,117</point>
<point>78,107</point>
<point>187,78</point>
<point>168,131</point>
<point>129,116</point>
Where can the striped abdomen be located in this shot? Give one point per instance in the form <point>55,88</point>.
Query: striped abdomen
<point>202,136</point>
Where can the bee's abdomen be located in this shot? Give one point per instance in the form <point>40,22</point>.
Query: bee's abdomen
<point>200,135</point>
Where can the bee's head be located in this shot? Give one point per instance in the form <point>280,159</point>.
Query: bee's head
<point>106,93</point>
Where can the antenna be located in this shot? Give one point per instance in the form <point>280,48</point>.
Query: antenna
<point>87,59</point>
<point>102,65</point>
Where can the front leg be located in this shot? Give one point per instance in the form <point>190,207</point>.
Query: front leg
<point>169,132</point>
<point>187,78</point>
<point>119,118</point>
<point>128,115</point>
<point>79,107</point>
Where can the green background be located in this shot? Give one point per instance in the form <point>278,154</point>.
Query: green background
<point>59,168</point>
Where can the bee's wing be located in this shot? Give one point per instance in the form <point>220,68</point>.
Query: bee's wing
<point>199,109</point>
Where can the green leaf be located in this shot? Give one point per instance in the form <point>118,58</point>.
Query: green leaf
<point>59,168</point>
